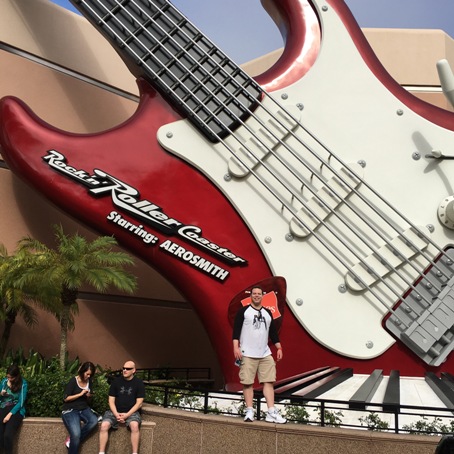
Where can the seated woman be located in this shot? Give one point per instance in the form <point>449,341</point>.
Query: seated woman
<point>12,410</point>
<point>78,417</point>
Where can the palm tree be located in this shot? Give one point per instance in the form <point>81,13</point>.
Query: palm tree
<point>58,274</point>
<point>15,301</point>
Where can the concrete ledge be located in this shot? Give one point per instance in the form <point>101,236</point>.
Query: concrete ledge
<point>168,431</point>
<point>47,435</point>
<point>203,434</point>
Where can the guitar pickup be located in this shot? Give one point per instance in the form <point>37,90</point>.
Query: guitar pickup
<point>431,333</point>
<point>266,138</point>
<point>424,318</point>
<point>325,201</point>
<point>387,258</point>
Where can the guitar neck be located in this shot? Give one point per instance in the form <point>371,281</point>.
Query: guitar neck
<point>159,44</point>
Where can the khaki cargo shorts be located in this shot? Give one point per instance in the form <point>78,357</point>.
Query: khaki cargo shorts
<point>265,368</point>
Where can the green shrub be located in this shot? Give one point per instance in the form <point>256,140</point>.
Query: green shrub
<point>331,418</point>
<point>297,413</point>
<point>424,426</point>
<point>373,422</point>
<point>45,392</point>
<point>100,400</point>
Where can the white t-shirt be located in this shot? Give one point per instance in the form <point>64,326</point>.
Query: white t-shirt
<point>254,331</point>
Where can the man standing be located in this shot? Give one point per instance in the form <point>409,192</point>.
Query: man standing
<point>252,328</point>
<point>126,396</point>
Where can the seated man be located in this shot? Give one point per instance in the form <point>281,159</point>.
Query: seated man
<point>126,396</point>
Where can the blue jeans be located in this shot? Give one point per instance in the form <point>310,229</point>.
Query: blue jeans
<point>77,431</point>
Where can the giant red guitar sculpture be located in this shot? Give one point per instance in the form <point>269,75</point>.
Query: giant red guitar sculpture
<point>316,172</point>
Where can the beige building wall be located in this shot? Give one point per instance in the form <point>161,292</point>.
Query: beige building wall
<point>410,56</point>
<point>155,327</point>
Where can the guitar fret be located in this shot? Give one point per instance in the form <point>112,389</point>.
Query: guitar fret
<point>179,61</point>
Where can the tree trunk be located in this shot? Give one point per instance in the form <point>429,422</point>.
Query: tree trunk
<point>68,298</point>
<point>63,337</point>
<point>9,322</point>
<point>62,355</point>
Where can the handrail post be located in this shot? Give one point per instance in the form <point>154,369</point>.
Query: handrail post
<point>205,403</point>
<point>322,413</point>
<point>258,405</point>
<point>396,419</point>
<point>166,397</point>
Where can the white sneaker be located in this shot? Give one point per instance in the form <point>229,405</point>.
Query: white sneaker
<point>275,417</point>
<point>249,417</point>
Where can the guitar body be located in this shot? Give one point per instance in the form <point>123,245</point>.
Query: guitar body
<point>160,188</point>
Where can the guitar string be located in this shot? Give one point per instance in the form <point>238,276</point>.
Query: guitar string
<point>346,246</point>
<point>390,267</point>
<point>295,213</point>
<point>382,259</point>
<point>176,44</point>
<point>311,171</point>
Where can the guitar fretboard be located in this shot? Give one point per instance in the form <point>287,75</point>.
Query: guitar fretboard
<point>161,45</point>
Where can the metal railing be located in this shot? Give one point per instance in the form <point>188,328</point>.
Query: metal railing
<point>186,374</point>
<point>322,412</point>
<point>190,388</point>
<point>162,375</point>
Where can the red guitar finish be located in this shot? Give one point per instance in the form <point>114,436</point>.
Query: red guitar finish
<point>130,153</point>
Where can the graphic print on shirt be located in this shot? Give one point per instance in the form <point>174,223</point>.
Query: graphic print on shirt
<point>124,390</point>
<point>258,320</point>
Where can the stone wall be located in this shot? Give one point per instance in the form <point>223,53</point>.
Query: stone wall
<point>168,431</point>
<point>47,436</point>
<point>195,433</point>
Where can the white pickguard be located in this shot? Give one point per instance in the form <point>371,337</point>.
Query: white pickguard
<point>357,118</point>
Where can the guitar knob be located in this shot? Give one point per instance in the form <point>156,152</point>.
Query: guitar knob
<point>446,212</point>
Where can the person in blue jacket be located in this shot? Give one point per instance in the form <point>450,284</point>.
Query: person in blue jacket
<point>12,406</point>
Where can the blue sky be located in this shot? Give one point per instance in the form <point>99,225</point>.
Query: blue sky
<point>242,29</point>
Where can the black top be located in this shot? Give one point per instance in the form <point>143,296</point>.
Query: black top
<point>73,388</point>
<point>126,392</point>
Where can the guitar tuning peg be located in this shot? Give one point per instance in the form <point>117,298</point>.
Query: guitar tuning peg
<point>437,154</point>
<point>446,79</point>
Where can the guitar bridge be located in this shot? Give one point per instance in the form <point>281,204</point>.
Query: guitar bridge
<point>424,319</point>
